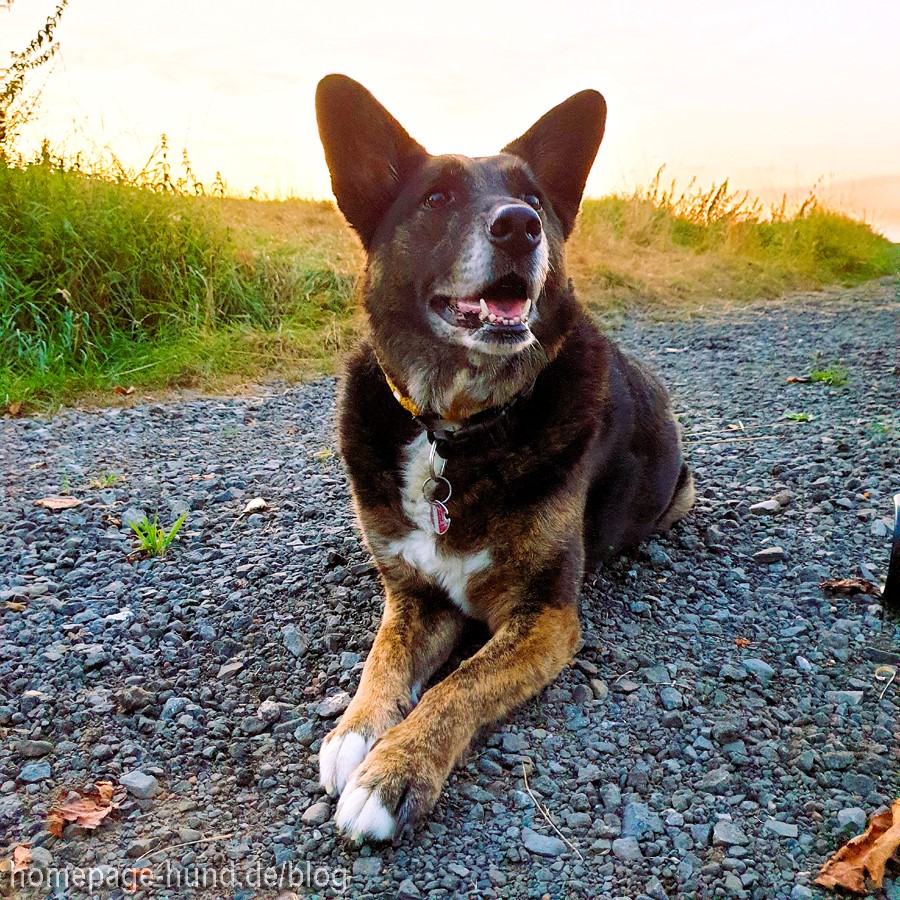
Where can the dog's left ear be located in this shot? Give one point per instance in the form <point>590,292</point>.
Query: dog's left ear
<point>560,149</point>
<point>369,154</point>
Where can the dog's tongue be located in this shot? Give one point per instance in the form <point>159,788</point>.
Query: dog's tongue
<point>503,309</point>
<point>506,309</point>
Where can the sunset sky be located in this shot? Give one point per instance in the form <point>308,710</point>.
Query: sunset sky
<point>774,95</point>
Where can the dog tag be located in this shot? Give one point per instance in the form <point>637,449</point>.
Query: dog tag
<point>440,517</point>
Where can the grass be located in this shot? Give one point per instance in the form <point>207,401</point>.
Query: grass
<point>154,539</point>
<point>111,280</point>
<point>834,376</point>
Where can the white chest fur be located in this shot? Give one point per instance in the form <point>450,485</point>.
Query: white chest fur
<point>421,548</point>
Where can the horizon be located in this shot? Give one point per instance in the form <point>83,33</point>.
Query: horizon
<point>773,99</point>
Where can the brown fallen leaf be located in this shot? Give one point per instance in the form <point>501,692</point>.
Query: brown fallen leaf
<point>88,810</point>
<point>798,379</point>
<point>21,858</point>
<point>14,606</point>
<point>14,408</point>
<point>58,503</point>
<point>742,642</point>
<point>865,855</point>
<point>849,586</point>
<point>125,392</point>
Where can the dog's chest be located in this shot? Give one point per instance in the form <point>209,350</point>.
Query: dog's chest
<point>422,547</point>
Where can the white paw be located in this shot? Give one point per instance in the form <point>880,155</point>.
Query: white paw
<point>339,757</point>
<point>362,816</point>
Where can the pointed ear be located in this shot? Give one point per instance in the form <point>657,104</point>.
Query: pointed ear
<point>560,149</point>
<point>368,152</point>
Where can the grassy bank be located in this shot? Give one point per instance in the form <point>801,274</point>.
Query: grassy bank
<point>104,286</point>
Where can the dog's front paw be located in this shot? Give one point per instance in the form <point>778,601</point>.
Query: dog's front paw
<point>342,751</point>
<point>397,784</point>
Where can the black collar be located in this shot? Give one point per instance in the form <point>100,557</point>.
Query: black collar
<point>490,426</point>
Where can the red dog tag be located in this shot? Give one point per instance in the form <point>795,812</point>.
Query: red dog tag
<point>440,517</point>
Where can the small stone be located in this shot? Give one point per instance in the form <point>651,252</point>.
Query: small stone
<point>716,781</point>
<point>727,834</point>
<point>627,850</point>
<point>766,508</point>
<point>305,733</point>
<point>733,884</point>
<point>317,814</point>
<point>801,892</point>
<point>133,698</point>
<point>228,670</point>
<point>671,698</point>
<point>140,784</point>
<point>269,711</point>
<point>782,829</point>
<point>625,686</point>
<point>848,698</point>
<point>333,706</point>
<point>726,732</point>
<point>654,889</point>
<point>34,772</point>
<point>408,890</point>
<point>367,866</point>
<point>762,670</point>
<point>599,688</point>
<point>41,858</point>
<point>838,760</point>
<point>639,820</point>
<point>542,844</point>
<point>295,641</point>
<point>769,555</point>
<point>173,708</point>
<point>33,749</point>
<point>852,819</point>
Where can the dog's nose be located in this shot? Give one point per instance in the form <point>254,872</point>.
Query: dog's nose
<point>516,228</point>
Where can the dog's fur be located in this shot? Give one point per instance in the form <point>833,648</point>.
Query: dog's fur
<point>586,461</point>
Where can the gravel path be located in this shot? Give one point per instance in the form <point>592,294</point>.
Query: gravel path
<point>719,734</point>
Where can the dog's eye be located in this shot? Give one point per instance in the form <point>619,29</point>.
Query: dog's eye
<point>533,201</point>
<point>437,199</point>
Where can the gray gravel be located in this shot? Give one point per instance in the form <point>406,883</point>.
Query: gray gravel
<point>672,761</point>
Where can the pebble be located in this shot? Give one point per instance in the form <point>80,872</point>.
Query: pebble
<point>627,850</point>
<point>782,829</point>
<point>33,749</point>
<point>769,555</point>
<point>333,706</point>
<point>762,670</point>
<point>728,834</point>
<point>542,844</point>
<point>31,773</point>
<point>317,814</point>
<point>140,784</point>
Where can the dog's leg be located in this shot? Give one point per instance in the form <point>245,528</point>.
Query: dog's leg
<point>414,639</point>
<point>401,778</point>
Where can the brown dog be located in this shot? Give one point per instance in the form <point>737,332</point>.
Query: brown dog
<point>495,440</point>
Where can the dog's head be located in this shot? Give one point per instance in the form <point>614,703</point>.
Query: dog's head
<point>465,256</point>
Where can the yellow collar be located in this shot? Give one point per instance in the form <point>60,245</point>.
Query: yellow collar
<point>407,403</point>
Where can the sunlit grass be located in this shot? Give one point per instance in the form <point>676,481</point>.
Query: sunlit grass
<point>112,279</point>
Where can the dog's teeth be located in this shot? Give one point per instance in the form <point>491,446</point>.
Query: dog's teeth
<point>492,318</point>
<point>526,310</point>
<point>485,312</point>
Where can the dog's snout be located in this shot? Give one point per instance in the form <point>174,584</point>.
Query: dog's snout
<point>516,228</point>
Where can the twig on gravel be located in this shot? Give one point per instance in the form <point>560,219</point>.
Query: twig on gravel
<point>206,840</point>
<point>629,672</point>
<point>546,815</point>
<point>731,440</point>
<point>890,681</point>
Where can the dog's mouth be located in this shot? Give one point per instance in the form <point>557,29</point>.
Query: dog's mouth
<point>502,307</point>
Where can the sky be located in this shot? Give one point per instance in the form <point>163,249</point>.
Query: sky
<point>774,95</point>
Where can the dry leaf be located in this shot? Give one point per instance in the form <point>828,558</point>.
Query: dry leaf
<point>849,586</point>
<point>742,642</point>
<point>257,504</point>
<point>57,503</point>
<point>865,855</point>
<point>126,392</point>
<point>14,408</point>
<point>798,379</point>
<point>88,810</point>
<point>14,606</point>
<point>21,858</point>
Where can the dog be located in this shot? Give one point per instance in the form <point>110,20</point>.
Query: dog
<point>497,444</point>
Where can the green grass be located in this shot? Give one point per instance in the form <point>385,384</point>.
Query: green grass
<point>153,538</point>
<point>835,375</point>
<point>112,280</point>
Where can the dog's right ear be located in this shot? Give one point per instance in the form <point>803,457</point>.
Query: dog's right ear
<point>369,154</point>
